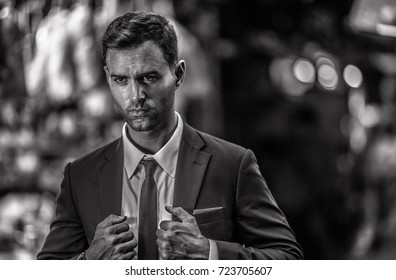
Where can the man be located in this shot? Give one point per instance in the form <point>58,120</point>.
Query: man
<point>163,190</point>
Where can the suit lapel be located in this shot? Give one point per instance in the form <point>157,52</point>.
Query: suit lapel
<point>110,180</point>
<point>191,168</point>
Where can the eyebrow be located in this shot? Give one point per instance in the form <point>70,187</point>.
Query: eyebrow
<point>143,73</point>
<point>113,75</point>
<point>150,72</point>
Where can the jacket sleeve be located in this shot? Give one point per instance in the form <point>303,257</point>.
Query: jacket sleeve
<point>66,239</point>
<point>262,228</point>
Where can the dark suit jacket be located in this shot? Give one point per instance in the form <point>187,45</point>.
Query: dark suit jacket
<point>246,222</point>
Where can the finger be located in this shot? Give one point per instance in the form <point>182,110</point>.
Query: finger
<point>169,236</point>
<point>124,237</point>
<point>166,239</point>
<point>171,248</point>
<point>112,220</point>
<point>163,235</point>
<point>189,241</point>
<point>119,228</point>
<point>128,256</point>
<point>165,254</point>
<point>169,241</point>
<point>178,227</point>
<point>126,247</point>
<point>173,254</point>
<point>166,224</point>
<point>180,213</point>
<point>163,245</point>
<point>123,256</point>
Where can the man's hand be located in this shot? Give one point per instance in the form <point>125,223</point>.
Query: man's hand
<point>181,240</point>
<point>113,240</point>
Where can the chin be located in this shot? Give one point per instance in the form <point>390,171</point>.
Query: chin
<point>140,125</point>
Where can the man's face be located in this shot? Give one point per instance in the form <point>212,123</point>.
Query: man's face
<point>143,86</point>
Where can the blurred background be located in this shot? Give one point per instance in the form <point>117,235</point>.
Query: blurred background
<point>308,85</point>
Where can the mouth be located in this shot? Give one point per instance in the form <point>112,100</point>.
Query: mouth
<point>138,113</point>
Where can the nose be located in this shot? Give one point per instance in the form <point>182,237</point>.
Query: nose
<point>137,93</point>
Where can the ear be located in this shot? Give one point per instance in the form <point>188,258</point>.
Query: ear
<point>180,72</point>
<point>106,69</point>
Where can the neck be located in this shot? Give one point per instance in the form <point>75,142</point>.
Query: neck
<point>151,142</point>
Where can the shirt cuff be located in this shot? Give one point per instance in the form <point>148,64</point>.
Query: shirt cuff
<point>213,253</point>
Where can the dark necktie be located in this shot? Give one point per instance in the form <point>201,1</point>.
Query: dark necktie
<point>147,249</point>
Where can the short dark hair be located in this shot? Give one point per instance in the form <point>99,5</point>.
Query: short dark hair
<point>134,28</point>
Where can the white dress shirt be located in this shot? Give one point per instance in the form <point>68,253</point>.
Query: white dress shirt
<point>164,176</point>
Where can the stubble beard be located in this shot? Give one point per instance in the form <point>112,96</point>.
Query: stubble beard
<point>140,124</point>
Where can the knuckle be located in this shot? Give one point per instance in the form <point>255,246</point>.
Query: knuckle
<point>111,217</point>
<point>134,242</point>
<point>168,235</point>
<point>112,240</point>
<point>164,235</point>
<point>163,245</point>
<point>118,249</point>
<point>159,233</point>
<point>170,226</point>
<point>160,244</point>
<point>190,219</point>
<point>108,231</point>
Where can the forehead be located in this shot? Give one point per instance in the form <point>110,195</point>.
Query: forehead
<point>147,54</point>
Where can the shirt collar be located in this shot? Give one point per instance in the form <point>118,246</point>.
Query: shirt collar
<point>166,157</point>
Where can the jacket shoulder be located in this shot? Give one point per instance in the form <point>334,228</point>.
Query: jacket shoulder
<point>96,157</point>
<point>220,147</point>
<point>213,141</point>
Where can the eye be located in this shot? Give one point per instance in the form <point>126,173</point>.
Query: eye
<point>149,78</point>
<point>120,80</point>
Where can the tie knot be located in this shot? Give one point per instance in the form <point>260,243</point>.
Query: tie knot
<point>149,166</point>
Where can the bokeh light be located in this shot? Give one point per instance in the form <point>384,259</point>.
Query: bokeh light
<point>304,71</point>
<point>369,116</point>
<point>293,76</point>
<point>327,75</point>
<point>353,76</point>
